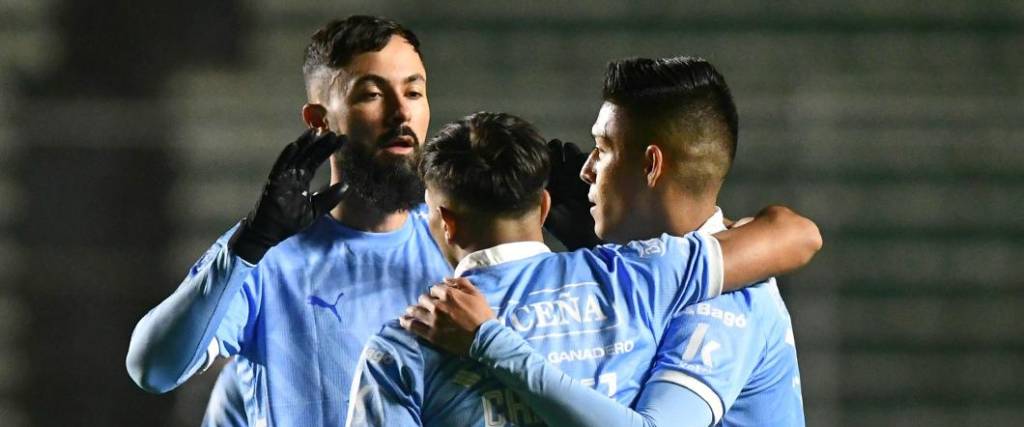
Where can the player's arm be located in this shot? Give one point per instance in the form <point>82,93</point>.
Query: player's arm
<point>554,396</point>
<point>777,241</point>
<point>387,389</point>
<point>176,337</point>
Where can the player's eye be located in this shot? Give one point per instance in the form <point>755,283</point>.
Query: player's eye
<point>414,94</point>
<point>369,95</point>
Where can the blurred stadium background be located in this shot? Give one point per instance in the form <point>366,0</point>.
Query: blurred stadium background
<point>132,134</point>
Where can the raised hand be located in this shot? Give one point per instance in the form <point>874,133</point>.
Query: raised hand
<point>286,206</point>
<point>569,220</point>
<point>449,316</point>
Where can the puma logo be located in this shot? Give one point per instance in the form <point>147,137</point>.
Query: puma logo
<point>319,302</point>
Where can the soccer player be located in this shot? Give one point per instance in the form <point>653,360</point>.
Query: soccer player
<point>730,360</point>
<point>600,312</point>
<point>292,292</point>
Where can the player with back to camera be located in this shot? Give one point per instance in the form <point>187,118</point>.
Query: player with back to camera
<point>730,360</point>
<point>485,178</point>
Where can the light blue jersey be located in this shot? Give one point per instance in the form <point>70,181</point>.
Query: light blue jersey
<point>596,314</point>
<point>738,353</point>
<point>226,407</point>
<point>297,321</point>
<point>734,354</point>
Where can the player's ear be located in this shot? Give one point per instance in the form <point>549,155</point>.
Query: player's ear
<point>315,116</point>
<point>545,206</point>
<point>654,164</point>
<point>448,224</point>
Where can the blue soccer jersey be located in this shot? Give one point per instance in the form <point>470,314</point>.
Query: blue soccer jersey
<point>734,354</point>
<point>226,407</point>
<point>738,353</point>
<point>297,321</point>
<point>596,314</point>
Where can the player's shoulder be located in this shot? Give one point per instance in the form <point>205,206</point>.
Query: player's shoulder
<point>656,246</point>
<point>757,306</point>
<point>318,236</point>
<point>392,333</point>
<point>392,345</point>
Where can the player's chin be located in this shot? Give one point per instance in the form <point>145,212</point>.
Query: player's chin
<point>599,228</point>
<point>393,157</point>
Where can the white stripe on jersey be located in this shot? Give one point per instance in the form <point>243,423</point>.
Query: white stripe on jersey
<point>694,385</point>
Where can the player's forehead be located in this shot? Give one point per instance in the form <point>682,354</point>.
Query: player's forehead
<point>609,122</point>
<point>396,63</point>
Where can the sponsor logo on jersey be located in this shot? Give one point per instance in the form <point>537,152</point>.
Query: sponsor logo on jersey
<point>649,247</point>
<point>728,318</point>
<point>573,309</point>
<point>620,347</point>
<point>204,260</point>
<point>377,356</point>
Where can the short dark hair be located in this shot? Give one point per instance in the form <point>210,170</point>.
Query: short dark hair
<point>686,100</point>
<point>334,45</point>
<point>491,162</point>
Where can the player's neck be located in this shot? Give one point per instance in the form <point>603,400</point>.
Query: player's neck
<point>357,213</point>
<point>500,233</point>
<point>684,213</point>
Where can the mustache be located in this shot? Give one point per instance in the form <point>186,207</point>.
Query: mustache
<point>397,132</point>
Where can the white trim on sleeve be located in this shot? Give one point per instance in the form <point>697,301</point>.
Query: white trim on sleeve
<point>716,267</point>
<point>699,388</point>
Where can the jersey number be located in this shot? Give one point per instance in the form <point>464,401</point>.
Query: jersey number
<point>611,380</point>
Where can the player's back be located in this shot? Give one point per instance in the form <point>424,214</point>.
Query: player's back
<point>737,352</point>
<point>597,315</point>
<point>771,395</point>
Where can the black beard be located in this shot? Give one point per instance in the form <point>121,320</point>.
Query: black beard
<point>386,181</point>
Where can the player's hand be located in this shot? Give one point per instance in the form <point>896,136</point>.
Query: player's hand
<point>286,206</point>
<point>449,316</point>
<point>569,220</point>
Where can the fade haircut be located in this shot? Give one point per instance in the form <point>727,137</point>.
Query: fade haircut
<point>333,46</point>
<point>684,104</point>
<point>494,163</point>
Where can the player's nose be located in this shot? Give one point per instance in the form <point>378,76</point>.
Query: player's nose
<point>400,111</point>
<point>587,172</point>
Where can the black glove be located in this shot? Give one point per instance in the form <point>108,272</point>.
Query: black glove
<point>569,219</point>
<point>285,206</point>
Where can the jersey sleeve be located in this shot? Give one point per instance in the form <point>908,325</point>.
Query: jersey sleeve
<point>388,389</point>
<point>561,401</point>
<point>674,272</point>
<point>710,348</point>
<point>177,337</point>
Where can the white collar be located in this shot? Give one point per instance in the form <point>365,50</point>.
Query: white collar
<point>715,223</point>
<point>502,253</point>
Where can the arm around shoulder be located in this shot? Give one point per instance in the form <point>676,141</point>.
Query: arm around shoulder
<point>777,241</point>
